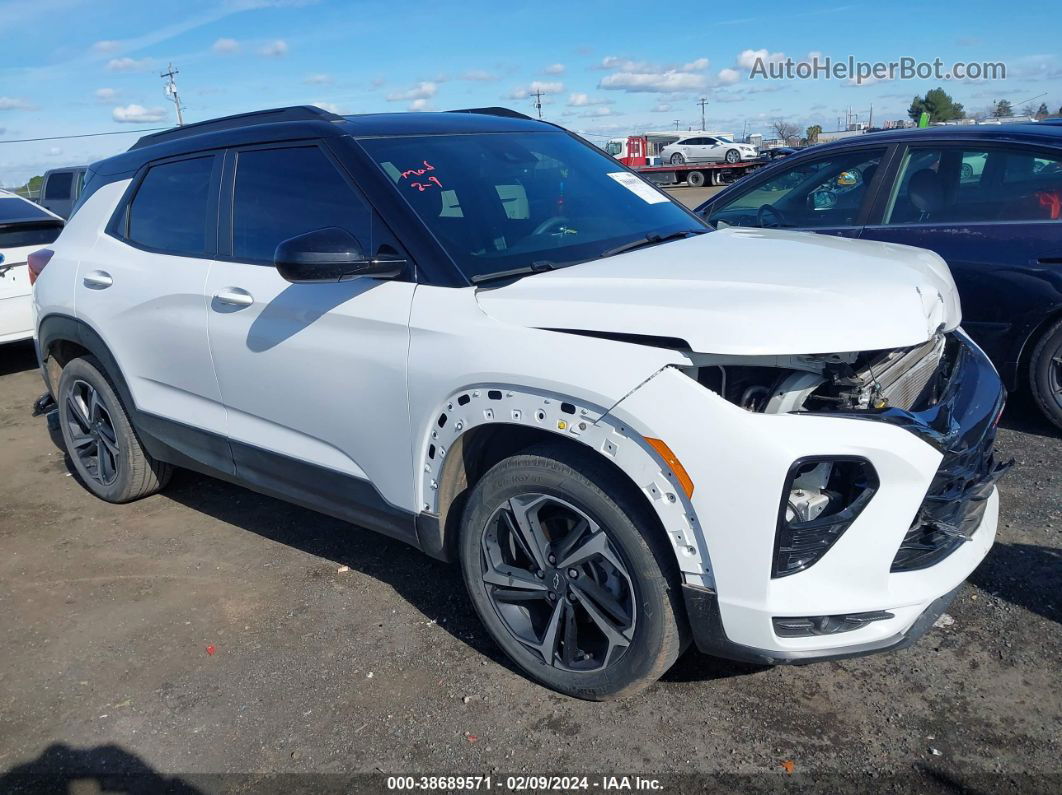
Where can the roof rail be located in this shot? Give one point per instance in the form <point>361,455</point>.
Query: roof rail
<point>511,114</point>
<point>294,113</point>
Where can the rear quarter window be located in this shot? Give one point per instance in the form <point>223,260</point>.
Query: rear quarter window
<point>168,213</point>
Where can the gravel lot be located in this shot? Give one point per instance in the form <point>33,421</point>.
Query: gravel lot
<point>209,630</point>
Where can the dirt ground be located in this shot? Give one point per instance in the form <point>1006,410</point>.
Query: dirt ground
<point>210,639</point>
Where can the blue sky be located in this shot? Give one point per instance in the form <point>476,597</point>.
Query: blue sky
<point>606,67</point>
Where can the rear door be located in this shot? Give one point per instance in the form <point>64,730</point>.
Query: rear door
<point>830,194</point>
<point>313,375</point>
<point>142,288</point>
<point>994,213</point>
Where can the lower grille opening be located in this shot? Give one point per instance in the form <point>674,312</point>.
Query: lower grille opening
<point>807,626</point>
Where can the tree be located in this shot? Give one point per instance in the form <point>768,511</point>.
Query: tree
<point>784,129</point>
<point>1003,108</point>
<point>812,134</point>
<point>938,104</point>
<point>1042,112</point>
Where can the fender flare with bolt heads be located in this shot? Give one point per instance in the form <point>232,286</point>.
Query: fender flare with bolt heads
<point>443,475</point>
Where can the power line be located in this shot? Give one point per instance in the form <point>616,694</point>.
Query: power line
<point>83,135</point>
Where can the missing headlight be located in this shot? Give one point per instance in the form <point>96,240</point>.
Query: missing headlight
<point>821,498</point>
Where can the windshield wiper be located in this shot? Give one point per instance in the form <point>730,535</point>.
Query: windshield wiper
<point>540,266</point>
<point>651,240</point>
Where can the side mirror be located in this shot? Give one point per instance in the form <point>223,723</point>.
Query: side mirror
<point>331,255</point>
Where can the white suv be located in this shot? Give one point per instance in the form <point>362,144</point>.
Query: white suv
<point>477,333</point>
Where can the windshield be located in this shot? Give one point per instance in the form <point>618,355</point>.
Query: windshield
<point>500,201</point>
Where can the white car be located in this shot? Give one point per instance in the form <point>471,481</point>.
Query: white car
<point>480,335</point>
<point>24,227</point>
<point>701,148</point>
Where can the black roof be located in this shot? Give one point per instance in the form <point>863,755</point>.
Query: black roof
<point>1027,132</point>
<point>298,122</point>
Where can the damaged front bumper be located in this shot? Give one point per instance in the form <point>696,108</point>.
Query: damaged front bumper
<point>891,573</point>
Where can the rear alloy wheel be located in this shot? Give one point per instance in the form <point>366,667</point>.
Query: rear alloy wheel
<point>732,156</point>
<point>99,439</point>
<point>562,569</point>
<point>1045,374</point>
<point>677,159</point>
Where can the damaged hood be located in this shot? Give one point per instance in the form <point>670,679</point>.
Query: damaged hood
<point>745,292</point>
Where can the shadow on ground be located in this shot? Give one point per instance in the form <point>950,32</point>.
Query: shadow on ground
<point>17,357</point>
<point>1023,415</point>
<point>1026,575</point>
<point>105,768</point>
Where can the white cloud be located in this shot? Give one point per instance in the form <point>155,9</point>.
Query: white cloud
<point>226,46</point>
<point>137,114</point>
<point>728,76</point>
<point>419,104</point>
<point>578,99</point>
<point>426,89</point>
<point>668,82</point>
<point>318,80</point>
<point>275,49</point>
<point>536,87</point>
<point>106,94</point>
<point>106,46</point>
<point>594,113</point>
<point>661,107</point>
<point>54,151</point>
<point>479,75</point>
<point>642,76</point>
<point>554,69</point>
<point>331,107</point>
<point>747,59</point>
<point>128,64</point>
<point>14,103</point>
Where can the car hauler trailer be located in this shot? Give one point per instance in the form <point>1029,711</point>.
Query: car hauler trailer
<point>640,153</point>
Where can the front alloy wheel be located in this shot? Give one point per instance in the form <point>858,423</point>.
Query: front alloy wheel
<point>570,573</point>
<point>558,583</point>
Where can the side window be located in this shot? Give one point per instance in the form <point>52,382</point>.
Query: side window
<point>945,185</point>
<point>169,211</point>
<point>281,193</point>
<point>59,185</point>
<point>810,194</point>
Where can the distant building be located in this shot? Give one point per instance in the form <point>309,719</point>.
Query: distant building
<point>827,137</point>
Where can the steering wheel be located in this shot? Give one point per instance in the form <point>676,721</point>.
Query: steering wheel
<point>549,223</point>
<point>769,209</point>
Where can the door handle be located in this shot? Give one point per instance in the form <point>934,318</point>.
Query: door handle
<point>234,296</point>
<point>98,280</point>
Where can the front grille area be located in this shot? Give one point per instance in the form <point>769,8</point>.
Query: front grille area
<point>953,506</point>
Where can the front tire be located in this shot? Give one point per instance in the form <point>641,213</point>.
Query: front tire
<point>677,159</point>
<point>99,438</point>
<point>565,571</point>
<point>1045,374</point>
<point>732,156</point>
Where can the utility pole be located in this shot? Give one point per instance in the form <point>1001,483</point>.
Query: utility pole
<point>538,102</point>
<point>677,124</point>
<point>702,102</point>
<point>171,92</point>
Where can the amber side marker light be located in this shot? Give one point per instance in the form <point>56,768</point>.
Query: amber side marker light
<point>681,475</point>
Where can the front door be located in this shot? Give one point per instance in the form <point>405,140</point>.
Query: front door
<point>829,195</point>
<point>313,375</point>
<point>994,213</point>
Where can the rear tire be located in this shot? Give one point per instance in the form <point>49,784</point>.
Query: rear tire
<point>677,159</point>
<point>99,438</point>
<point>695,179</point>
<point>732,156</point>
<point>1045,374</point>
<point>598,554</point>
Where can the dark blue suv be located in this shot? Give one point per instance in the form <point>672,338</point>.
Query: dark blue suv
<point>988,199</point>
